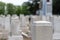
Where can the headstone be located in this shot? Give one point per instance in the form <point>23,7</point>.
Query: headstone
<point>49,8</point>
<point>57,24</point>
<point>7,23</point>
<point>15,25</point>
<point>56,35</point>
<point>27,20</point>
<point>44,18</point>
<point>2,21</point>
<point>22,20</point>
<point>23,23</point>
<point>16,38</point>
<point>41,30</point>
<point>50,19</point>
<point>44,8</point>
<point>3,32</point>
<point>35,18</point>
<point>15,29</point>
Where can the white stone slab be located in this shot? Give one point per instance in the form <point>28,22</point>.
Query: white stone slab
<point>15,25</point>
<point>7,23</point>
<point>57,24</point>
<point>22,20</point>
<point>2,21</point>
<point>15,38</point>
<point>41,30</point>
<point>56,36</point>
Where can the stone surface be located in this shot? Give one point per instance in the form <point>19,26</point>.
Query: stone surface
<point>3,33</point>
<point>15,25</point>
<point>41,30</point>
<point>57,24</point>
<point>7,23</point>
<point>24,23</point>
<point>25,38</point>
<point>56,35</point>
<point>15,38</point>
<point>15,29</point>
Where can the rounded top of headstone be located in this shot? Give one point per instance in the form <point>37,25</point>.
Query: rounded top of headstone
<point>21,15</point>
<point>14,17</point>
<point>2,15</point>
<point>33,16</point>
<point>41,23</point>
<point>27,16</point>
<point>8,15</point>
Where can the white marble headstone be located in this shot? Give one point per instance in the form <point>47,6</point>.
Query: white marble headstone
<point>2,20</point>
<point>56,35</point>
<point>15,29</point>
<point>15,25</point>
<point>22,20</point>
<point>41,30</point>
<point>7,23</point>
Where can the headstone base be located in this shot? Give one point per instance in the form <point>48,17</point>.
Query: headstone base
<point>56,36</point>
<point>15,38</point>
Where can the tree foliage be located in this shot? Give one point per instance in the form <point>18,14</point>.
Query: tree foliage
<point>18,10</point>
<point>11,9</point>
<point>56,7</point>
<point>30,8</point>
<point>2,7</point>
<point>25,7</point>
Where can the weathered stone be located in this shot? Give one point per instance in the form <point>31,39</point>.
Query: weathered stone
<point>41,30</point>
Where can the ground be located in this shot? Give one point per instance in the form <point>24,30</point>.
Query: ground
<point>25,38</point>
